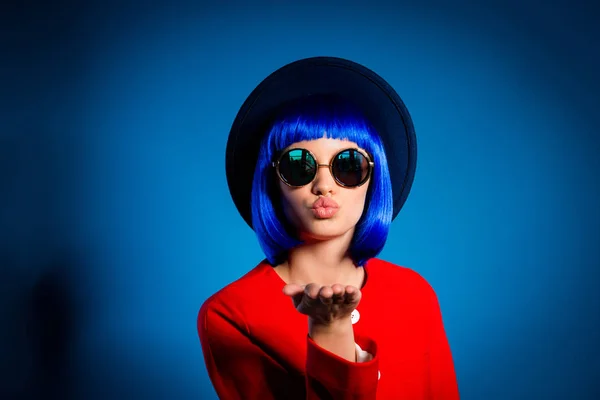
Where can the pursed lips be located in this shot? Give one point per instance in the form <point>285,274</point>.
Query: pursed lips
<point>325,202</point>
<point>324,207</point>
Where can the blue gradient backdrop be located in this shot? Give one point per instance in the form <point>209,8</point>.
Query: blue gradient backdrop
<point>117,222</point>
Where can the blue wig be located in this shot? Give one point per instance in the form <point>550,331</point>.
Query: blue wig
<point>309,120</point>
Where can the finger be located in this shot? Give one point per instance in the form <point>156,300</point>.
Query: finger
<point>296,292</point>
<point>309,300</point>
<point>338,294</point>
<point>312,291</point>
<point>292,289</point>
<point>353,295</point>
<point>326,295</point>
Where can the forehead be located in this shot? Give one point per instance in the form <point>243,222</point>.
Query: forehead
<point>324,147</point>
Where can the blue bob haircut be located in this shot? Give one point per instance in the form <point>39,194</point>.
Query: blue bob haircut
<point>310,119</point>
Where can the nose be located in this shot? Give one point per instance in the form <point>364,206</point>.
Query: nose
<point>324,182</point>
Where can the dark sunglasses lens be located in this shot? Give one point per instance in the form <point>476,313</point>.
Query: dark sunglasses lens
<point>350,168</point>
<point>297,167</point>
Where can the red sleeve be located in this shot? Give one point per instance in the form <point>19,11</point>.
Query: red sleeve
<point>442,376</point>
<point>329,376</point>
<point>240,369</point>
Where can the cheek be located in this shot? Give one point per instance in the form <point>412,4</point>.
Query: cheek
<point>357,205</point>
<point>291,204</point>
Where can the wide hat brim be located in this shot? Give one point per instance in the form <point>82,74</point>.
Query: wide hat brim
<point>369,92</point>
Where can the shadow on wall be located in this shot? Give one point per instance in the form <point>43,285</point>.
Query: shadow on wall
<point>42,355</point>
<point>39,318</point>
<point>51,324</point>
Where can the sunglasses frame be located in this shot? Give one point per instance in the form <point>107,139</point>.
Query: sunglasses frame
<point>371,165</point>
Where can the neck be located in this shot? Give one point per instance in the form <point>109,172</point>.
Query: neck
<point>324,262</point>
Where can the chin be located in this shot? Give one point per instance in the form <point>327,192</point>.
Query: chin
<point>324,229</point>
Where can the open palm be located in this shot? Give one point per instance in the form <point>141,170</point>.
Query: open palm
<point>324,304</point>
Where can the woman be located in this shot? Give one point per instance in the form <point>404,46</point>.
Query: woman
<point>320,159</point>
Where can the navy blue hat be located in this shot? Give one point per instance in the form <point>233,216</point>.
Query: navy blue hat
<point>362,87</point>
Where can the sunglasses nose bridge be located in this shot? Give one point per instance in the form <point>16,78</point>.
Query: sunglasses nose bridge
<point>323,166</point>
<point>323,182</point>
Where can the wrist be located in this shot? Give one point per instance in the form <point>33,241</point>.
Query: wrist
<point>334,327</point>
<point>336,336</point>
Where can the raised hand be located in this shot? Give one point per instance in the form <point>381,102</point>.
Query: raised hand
<point>324,304</point>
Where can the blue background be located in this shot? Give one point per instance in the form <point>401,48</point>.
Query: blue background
<point>116,220</point>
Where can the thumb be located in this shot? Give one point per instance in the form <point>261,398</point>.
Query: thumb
<point>293,289</point>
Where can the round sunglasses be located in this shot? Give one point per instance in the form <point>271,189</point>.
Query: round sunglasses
<point>298,167</point>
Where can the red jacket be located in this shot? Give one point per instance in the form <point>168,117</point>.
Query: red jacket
<point>256,344</point>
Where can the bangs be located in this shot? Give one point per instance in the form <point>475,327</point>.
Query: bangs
<point>321,117</point>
